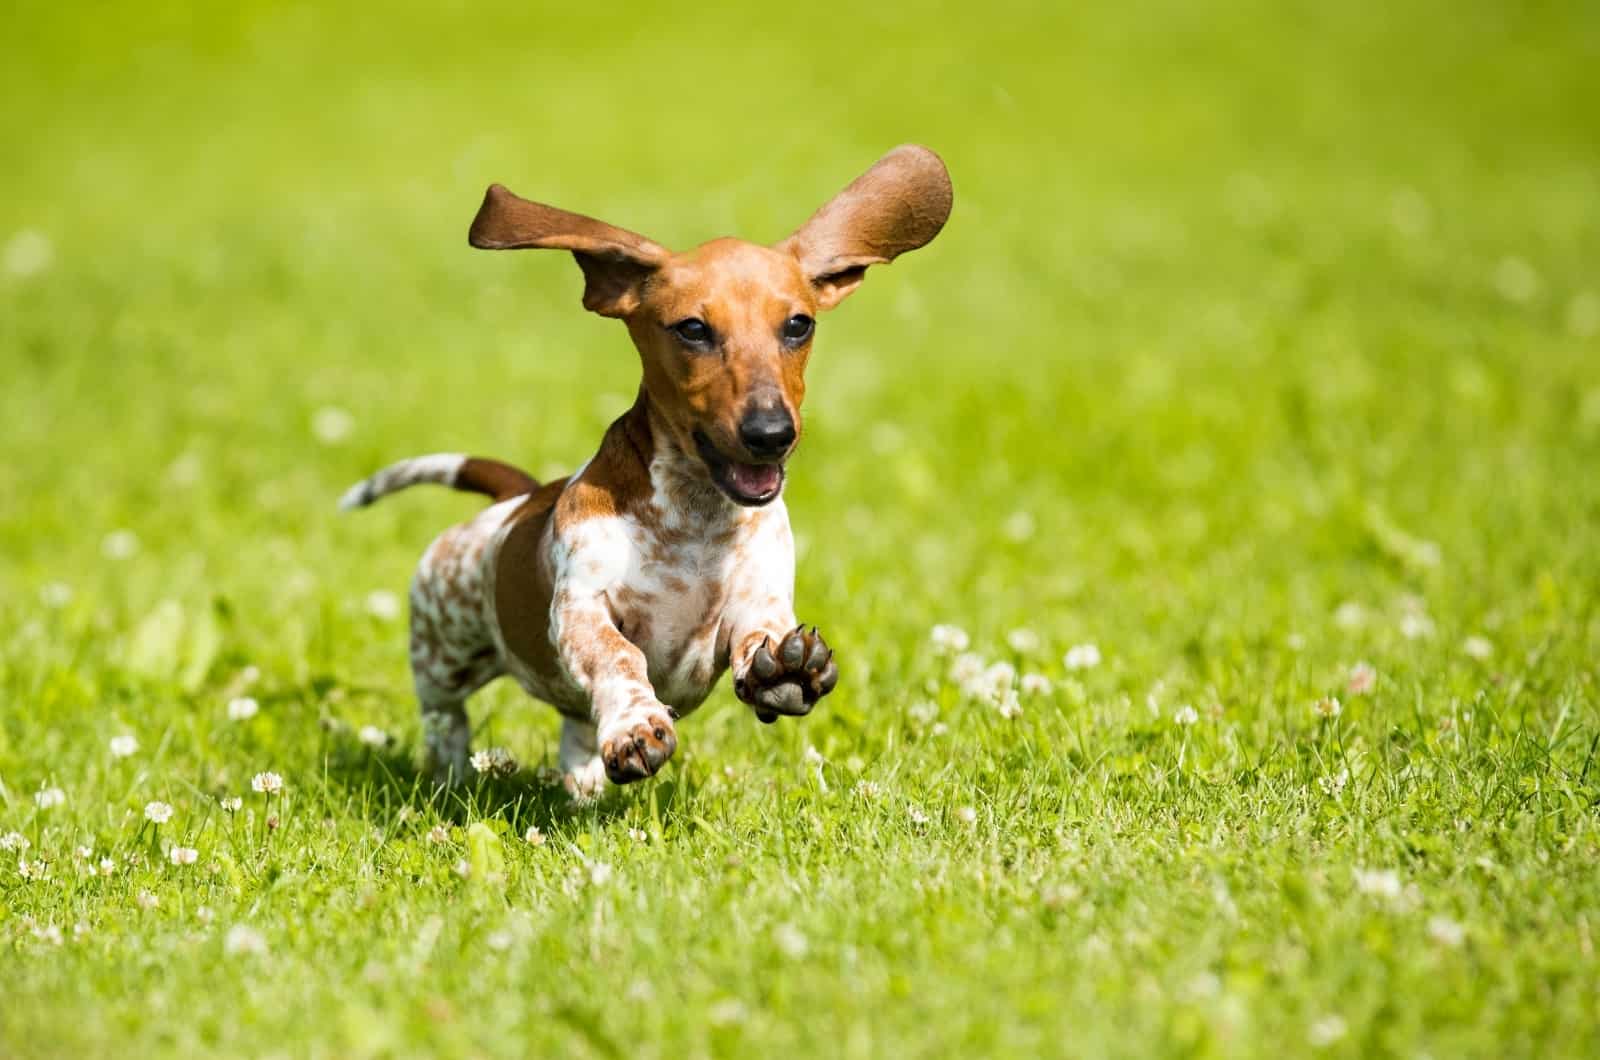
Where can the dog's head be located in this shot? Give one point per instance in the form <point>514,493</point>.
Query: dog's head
<point>724,330</point>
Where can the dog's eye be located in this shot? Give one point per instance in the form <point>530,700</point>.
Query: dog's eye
<point>693,331</point>
<point>797,329</point>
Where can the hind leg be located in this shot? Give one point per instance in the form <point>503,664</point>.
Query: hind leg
<point>452,652</point>
<point>447,740</point>
<point>446,730</point>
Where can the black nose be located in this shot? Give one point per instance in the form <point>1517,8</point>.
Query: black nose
<point>767,432</point>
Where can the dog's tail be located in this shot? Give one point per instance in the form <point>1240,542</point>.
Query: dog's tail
<point>456,470</point>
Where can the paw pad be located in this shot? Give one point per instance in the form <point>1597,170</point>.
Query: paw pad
<point>789,677</point>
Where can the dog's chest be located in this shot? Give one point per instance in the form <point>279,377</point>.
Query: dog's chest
<point>672,602</point>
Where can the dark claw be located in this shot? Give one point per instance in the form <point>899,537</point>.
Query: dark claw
<point>829,677</point>
<point>762,664</point>
<point>793,650</point>
<point>819,653</point>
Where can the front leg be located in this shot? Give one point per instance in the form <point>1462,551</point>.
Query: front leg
<point>780,667</point>
<point>634,730</point>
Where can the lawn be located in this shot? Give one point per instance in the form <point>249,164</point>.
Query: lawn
<point>1261,354</point>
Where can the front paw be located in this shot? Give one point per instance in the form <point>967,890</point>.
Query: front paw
<point>637,743</point>
<point>788,678</point>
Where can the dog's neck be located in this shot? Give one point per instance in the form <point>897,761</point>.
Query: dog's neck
<point>681,489</point>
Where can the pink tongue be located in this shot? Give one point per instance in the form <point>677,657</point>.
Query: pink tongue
<point>755,480</point>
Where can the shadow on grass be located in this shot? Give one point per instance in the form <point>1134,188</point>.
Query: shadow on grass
<point>384,783</point>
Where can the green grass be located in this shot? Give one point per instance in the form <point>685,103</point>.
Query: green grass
<point>1246,313</point>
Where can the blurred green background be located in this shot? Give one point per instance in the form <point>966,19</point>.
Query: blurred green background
<point>1210,263</point>
<point>1245,311</point>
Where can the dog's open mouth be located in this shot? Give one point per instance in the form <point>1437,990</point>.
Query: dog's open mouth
<point>748,484</point>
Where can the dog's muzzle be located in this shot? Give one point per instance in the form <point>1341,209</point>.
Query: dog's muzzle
<point>749,484</point>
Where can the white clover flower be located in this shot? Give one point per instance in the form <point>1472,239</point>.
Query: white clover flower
<point>147,900</point>
<point>1185,716</point>
<point>1082,657</point>
<point>923,711</point>
<point>1037,685</point>
<point>158,812</point>
<point>332,424</point>
<point>1325,1031</point>
<point>123,746</point>
<point>939,729</point>
<point>965,668</point>
<point>1363,679</point>
<point>183,855</point>
<point>1203,987</point>
<point>1008,706</point>
<point>49,798</point>
<point>242,708</point>
<point>14,841</point>
<point>383,605</point>
<point>1333,786</point>
<point>28,253</point>
<point>49,934</point>
<point>500,941</point>
<point>1379,883</point>
<point>108,867</point>
<point>463,868</point>
<point>865,789</point>
<point>967,815</point>
<point>548,776</point>
<point>373,736</point>
<point>82,853</point>
<point>813,756</point>
<point>1023,641</point>
<point>438,834</point>
<point>533,837</point>
<point>1349,615</point>
<point>1478,647</point>
<point>917,816</point>
<point>204,915</point>
<point>231,803</point>
<point>33,870</point>
<point>1415,625</point>
<point>994,683</point>
<point>119,544</point>
<point>791,941</point>
<point>1327,707</point>
<point>266,783</point>
<point>1446,932</point>
<point>80,931</point>
<point>599,873</point>
<point>1019,525</point>
<point>638,835</point>
<point>55,595</point>
<point>949,640</point>
<point>495,761</point>
<point>244,940</point>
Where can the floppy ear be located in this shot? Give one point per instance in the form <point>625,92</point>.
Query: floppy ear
<point>897,205</point>
<point>614,261</point>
